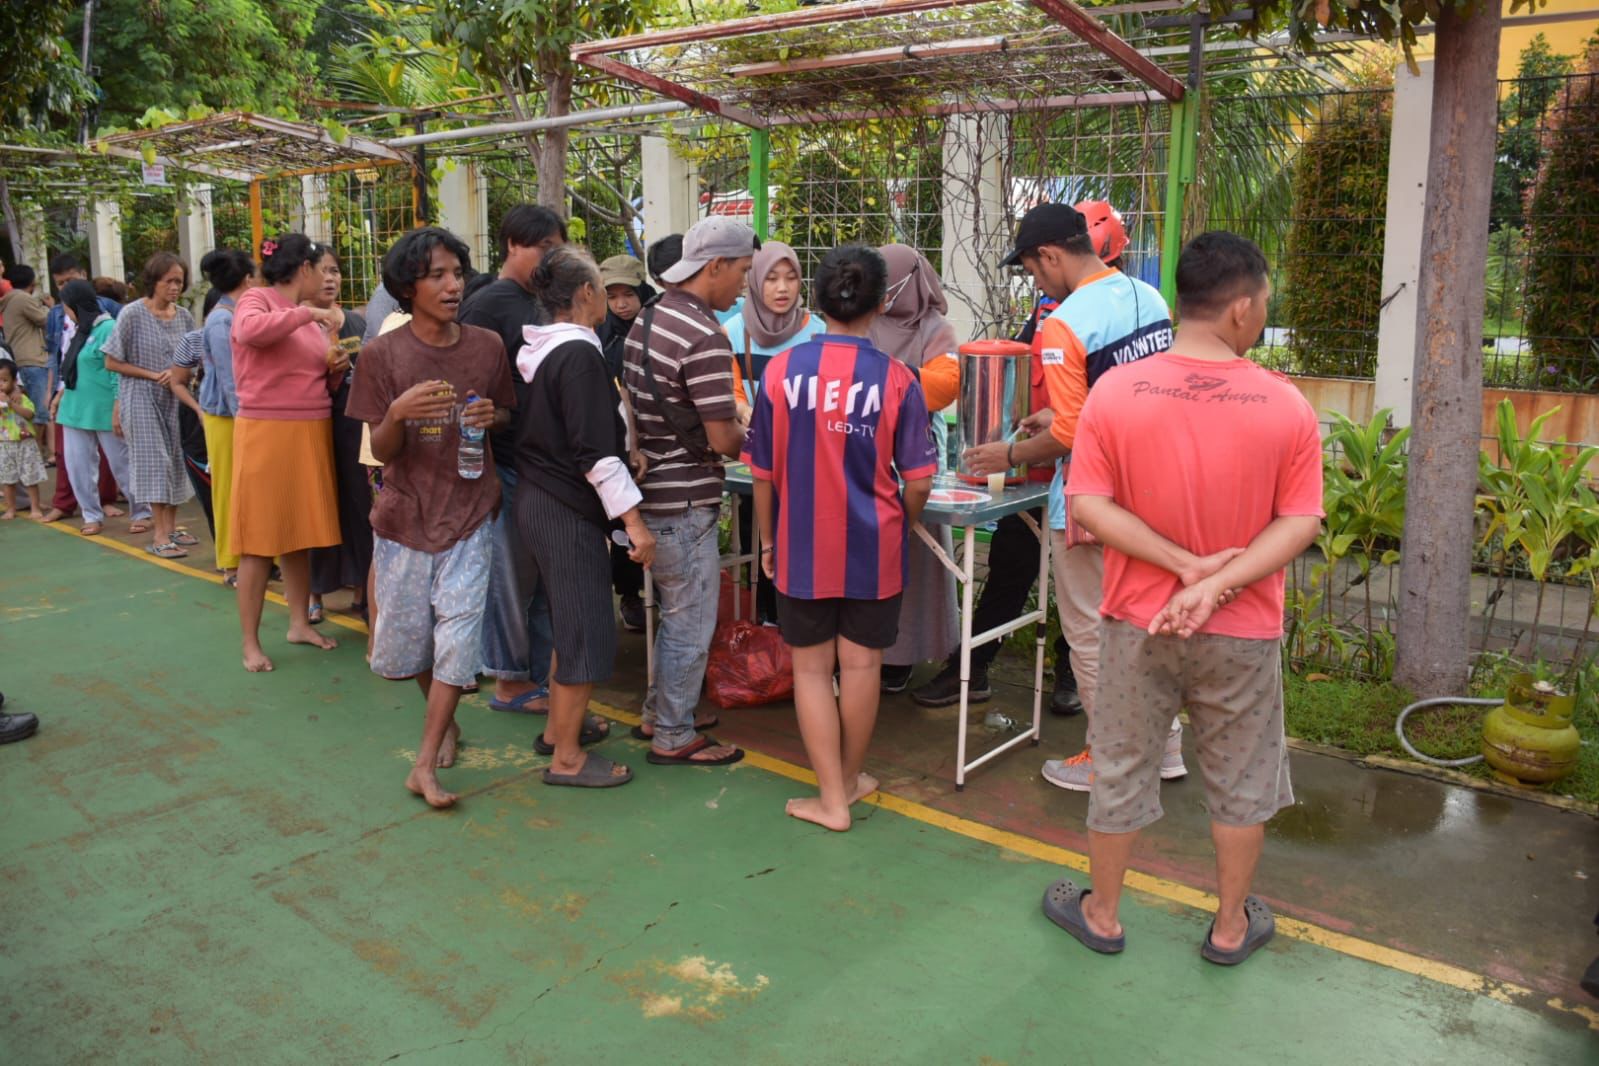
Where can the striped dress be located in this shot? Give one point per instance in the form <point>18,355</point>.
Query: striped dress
<point>149,412</point>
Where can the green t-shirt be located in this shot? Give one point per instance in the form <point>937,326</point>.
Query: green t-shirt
<point>89,405</point>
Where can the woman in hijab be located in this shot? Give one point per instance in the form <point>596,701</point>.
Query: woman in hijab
<point>913,329</point>
<point>773,320</point>
<point>84,407</point>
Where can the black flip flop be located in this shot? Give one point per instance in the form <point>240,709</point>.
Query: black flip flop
<point>596,773</point>
<point>637,732</point>
<point>1262,927</point>
<point>1063,905</point>
<point>685,756</point>
<point>594,730</point>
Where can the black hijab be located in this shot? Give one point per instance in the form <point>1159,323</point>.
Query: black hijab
<point>80,297</point>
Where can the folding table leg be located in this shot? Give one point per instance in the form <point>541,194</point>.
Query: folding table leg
<point>969,539</point>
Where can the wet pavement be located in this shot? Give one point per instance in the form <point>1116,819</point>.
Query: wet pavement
<point>1498,886</point>
<point>1501,886</point>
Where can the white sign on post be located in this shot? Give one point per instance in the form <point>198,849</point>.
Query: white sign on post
<point>154,173</point>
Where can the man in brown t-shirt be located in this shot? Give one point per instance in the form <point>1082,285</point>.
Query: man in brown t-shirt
<point>416,386</point>
<point>681,384</point>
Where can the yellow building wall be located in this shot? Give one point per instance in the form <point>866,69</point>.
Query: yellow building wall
<point>1566,38</point>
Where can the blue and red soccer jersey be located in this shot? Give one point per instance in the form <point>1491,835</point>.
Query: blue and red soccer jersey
<point>837,424</point>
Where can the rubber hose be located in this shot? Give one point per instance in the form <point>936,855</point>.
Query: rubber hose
<point>1441,701</point>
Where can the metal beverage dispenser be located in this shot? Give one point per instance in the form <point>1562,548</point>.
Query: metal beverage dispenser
<point>996,394</point>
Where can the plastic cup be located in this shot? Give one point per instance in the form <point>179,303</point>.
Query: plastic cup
<point>996,483</point>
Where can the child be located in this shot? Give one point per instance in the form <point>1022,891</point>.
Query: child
<point>20,462</point>
<point>835,421</point>
<point>1193,452</point>
<point>433,528</point>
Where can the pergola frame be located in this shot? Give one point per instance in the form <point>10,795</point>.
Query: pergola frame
<point>240,146</point>
<point>603,55</point>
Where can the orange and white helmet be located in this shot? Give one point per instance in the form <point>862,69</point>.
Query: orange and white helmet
<point>1105,228</point>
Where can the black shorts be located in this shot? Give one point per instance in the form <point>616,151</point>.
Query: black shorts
<point>869,623</point>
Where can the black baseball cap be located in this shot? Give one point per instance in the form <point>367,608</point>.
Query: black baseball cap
<point>1045,224</point>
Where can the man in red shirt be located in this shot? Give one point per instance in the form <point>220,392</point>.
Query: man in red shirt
<point>1193,452</point>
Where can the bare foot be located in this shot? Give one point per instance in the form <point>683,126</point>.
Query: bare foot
<point>37,516</point>
<point>54,514</point>
<point>8,516</point>
<point>256,661</point>
<point>1228,933</point>
<point>311,637</point>
<point>113,512</point>
<point>865,785</point>
<point>810,809</point>
<point>425,783</point>
<point>452,737</point>
<point>1113,928</point>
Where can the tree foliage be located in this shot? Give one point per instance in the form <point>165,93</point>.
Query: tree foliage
<point>1333,267</point>
<point>1563,276</point>
<point>39,73</point>
<point>1394,21</point>
<point>1520,119</point>
<point>225,54</point>
<point>523,48</point>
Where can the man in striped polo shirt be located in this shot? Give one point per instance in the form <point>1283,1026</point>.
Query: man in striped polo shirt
<point>679,373</point>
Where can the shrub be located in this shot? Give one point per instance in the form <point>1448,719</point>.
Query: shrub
<point>1563,215</point>
<point>1334,263</point>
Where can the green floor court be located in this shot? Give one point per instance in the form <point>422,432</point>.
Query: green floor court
<point>205,866</point>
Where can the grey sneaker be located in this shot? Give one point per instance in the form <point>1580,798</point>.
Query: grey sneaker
<point>1171,763</point>
<point>1075,774</point>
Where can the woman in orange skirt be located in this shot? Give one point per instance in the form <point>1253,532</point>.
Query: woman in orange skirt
<point>285,368</point>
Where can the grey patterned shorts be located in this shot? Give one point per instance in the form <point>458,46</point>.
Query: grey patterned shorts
<point>1233,690</point>
<point>430,608</point>
<point>20,463</point>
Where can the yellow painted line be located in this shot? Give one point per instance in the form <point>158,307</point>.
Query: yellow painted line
<point>1171,891</point>
<point>187,571</point>
<point>1146,884</point>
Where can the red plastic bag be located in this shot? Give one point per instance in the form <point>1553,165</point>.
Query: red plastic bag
<point>749,666</point>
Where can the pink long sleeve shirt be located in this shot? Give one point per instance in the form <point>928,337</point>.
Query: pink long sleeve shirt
<point>280,359</point>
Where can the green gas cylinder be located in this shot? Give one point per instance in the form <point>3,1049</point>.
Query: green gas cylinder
<point>1529,739</point>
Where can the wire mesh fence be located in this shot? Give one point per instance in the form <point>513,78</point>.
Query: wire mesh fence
<point>359,211</point>
<point>1541,328</point>
<point>954,187</point>
<point>1314,197</point>
<point>605,185</point>
<point>1344,617</point>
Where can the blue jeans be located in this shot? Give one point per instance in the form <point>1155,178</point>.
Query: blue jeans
<point>517,636</point>
<point>687,572</point>
<point>36,384</point>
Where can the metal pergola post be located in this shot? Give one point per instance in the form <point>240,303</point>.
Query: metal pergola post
<point>1171,233</point>
<point>760,182</point>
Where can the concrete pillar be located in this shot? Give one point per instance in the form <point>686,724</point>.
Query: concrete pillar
<point>671,190</point>
<point>316,218</point>
<point>1401,255</point>
<point>197,233</point>
<point>105,241</point>
<point>35,250</point>
<point>975,230</point>
<point>463,209</point>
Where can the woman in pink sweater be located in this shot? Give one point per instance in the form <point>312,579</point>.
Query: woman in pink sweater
<point>285,367</point>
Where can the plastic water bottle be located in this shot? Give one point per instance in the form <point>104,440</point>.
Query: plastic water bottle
<point>469,457</point>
